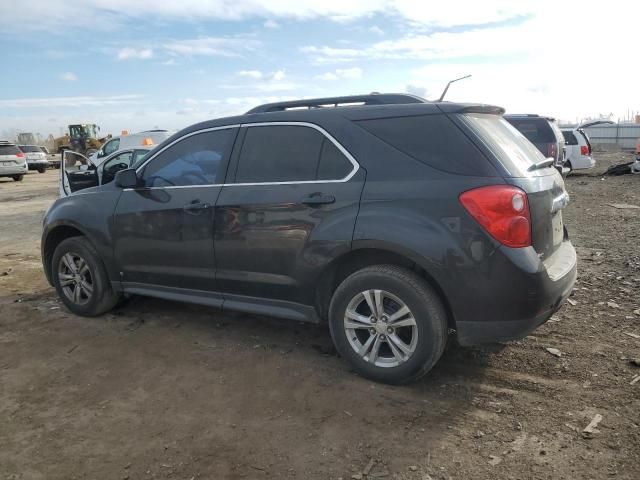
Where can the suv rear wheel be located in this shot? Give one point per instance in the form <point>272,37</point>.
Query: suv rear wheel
<point>18,178</point>
<point>388,323</point>
<point>81,279</point>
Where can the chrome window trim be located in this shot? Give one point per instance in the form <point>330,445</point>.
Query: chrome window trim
<point>344,151</point>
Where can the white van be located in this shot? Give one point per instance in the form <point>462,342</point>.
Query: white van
<point>122,142</point>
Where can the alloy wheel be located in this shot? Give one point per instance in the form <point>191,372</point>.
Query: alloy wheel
<point>74,276</point>
<point>381,328</point>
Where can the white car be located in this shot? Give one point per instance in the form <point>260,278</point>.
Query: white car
<point>78,172</point>
<point>36,158</point>
<point>579,155</point>
<point>13,162</point>
<point>133,140</point>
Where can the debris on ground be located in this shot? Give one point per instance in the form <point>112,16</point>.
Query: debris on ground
<point>635,380</point>
<point>634,361</point>
<point>554,351</point>
<point>494,460</point>
<point>590,429</point>
<point>572,302</point>
<point>623,205</point>
<point>632,335</point>
<point>613,305</point>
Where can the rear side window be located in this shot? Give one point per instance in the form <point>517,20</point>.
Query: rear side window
<point>9,150</point>
<point>194,160</point>
<point>431,139</point>
<point>537,130</point>
<point>289,153</point>
<point>569,138</point>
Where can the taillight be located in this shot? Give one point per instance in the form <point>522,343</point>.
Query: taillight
<point>20,155</point>
<point>584,150</point>
<point>552,150</point>
<point>503,211</point>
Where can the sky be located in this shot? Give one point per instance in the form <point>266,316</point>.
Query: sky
<point>140,64</point>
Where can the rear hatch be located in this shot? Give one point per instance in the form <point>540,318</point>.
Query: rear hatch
<point>524,166</point>
<point>33,152</point>
<point>10,155</point>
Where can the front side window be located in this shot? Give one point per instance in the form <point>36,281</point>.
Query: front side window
<point>289,153</point>
<point>111,146</point>
<point>195,160</point>
<point>112,166</point>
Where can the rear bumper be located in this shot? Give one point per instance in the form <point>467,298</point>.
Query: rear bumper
<point>523,299</point>
<point>9,171</point>
<point>37,164</point>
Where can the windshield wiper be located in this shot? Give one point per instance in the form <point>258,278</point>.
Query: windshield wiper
<point>547,162</point>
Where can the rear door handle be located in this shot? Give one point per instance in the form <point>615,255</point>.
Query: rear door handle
<point>318,198</point>
<point>195,207</point>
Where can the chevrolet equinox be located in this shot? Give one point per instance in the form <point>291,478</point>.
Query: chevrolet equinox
<point>396,220</point>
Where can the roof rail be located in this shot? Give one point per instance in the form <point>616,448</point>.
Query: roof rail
<point>371,99</point>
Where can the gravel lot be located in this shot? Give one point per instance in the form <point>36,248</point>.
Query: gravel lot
<point>163,390</point>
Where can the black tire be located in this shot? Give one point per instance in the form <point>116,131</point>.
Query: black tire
<point>102,298</point>
<point>41,170</point>
<point>425,307</point>
<point>18,178</point>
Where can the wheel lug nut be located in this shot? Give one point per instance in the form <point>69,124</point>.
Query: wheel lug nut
<point>382,337</point>
<point>372,330</point>
<point>389,330</point>
<point>374,319</point>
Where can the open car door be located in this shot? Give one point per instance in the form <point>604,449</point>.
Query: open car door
<point>76,173</point>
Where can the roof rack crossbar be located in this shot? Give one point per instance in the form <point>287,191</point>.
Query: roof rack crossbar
<point>371,99</point>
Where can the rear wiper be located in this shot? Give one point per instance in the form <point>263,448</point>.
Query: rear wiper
<point>547,162</point>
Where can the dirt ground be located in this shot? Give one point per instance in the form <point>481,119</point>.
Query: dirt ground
<point>161,390</point>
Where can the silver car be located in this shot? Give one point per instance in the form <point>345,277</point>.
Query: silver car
<point>13,162</point>
<point>36,158</point>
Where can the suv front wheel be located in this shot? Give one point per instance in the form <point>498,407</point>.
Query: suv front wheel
<point>388,323</point>
<point>81,279</point>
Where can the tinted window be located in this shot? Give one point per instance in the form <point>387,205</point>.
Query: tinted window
<point>333,164</point>
<point>537,130</point>
<point>138,157</point>
<point>279,153</point>
<point>30,148</point>
<point>508,144</point>
<point>569,138</point>
<point>192,161</point>
<point>9,150</point>
<point>432,139</point>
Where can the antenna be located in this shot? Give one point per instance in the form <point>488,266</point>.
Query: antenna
<point>446,89</point>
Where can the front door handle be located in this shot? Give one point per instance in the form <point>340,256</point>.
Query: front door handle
<point>194,208</point>
<point>318,198</point>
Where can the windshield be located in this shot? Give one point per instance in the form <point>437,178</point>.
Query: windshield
<point>82,131</point>
<point>510,146</point>
<point>30,148</point>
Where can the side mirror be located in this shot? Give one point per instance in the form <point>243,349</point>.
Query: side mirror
<point>126,178</point>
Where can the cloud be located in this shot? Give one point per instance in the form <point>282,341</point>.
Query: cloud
<point>278,75</point>
<point>170,62</point>
<point>354,73</point>
<point>271,24</point>
<point>69,77</point>
<point>211,46</point>
<point>255,74</point>
<point>376,29</point>
<point>69,102</point>
<point>128,53</point>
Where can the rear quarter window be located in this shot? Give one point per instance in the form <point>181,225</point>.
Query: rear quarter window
<point>569,138</point>
<point>433,140</point>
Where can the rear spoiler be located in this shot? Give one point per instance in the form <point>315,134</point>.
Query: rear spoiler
<point>470,108</point>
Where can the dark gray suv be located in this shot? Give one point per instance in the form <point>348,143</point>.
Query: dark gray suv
<point>397,220</point>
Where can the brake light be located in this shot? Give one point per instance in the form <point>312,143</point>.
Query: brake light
<point>503,211</point>
<point>552,150</point>
<point>584,150</point>
<point>20,155</point>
